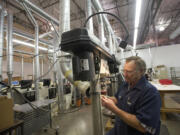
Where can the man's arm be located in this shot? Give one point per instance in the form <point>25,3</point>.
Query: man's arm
<point>128,118</point>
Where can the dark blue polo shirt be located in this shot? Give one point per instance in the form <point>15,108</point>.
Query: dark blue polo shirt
<point>143,101</point>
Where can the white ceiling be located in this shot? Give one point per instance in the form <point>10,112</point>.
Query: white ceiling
<point>125,9</point>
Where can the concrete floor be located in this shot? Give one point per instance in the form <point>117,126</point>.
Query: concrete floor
<point>76,123</point>
<point>172,123</point>
<point>80,123</point>
<point>173,120</point>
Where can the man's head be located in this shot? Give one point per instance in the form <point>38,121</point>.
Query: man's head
<point>134,69</point>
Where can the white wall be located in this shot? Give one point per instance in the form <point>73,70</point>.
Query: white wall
<point>28,69</point>
<point>164,55</point>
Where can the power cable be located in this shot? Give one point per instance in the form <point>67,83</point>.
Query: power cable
<point>127,33</point>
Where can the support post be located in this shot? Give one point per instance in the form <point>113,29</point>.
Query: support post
<point>10,51</point>
<point>1,41</point>
<point>37,74</point>
<point>95,98</point>
<point>42,67</point>
<point>22,67</point>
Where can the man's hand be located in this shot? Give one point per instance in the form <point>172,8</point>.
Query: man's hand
<point>108,103</point>
<point>128,118</point>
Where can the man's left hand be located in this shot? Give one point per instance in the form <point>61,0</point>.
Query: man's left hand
<point>108,103</point>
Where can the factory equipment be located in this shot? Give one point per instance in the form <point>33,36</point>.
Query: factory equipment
<point>85,48</point>
<point>86,64</point>
<point>46,82</point>
<point>87,53</point>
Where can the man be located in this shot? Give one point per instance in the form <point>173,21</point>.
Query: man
<point>136,104</point>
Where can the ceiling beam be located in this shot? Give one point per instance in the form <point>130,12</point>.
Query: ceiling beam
<point>150,19</point>
<point>118,6</point>
<point>79,8</point>
<point>51,4</point>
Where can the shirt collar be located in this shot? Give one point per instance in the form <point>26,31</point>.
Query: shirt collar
<point>139,85</point>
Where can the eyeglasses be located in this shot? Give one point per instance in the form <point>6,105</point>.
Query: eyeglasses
<point>128,72</point>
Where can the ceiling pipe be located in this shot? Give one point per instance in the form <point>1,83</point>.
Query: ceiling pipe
<point>21,52</point>
<point>88,13</point>
<point>54,28</point>
<point>64,25</point>
<point>98,7</point>
<point>175,33</point>
<point>37,74</point>
<point>57,74</point>
<point>101,30</point>
<point>29,37</point>
<point>39,11</point>
<point>45,34</point>
<point>110,43</point>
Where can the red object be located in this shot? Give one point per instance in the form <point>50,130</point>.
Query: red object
<point>103,92</point>
<point>165,81</point>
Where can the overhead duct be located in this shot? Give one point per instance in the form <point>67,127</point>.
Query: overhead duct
<point>88,13</point>
<point>174,34</point>
<point>39,11</point>
<point>99,8</point>
<point>110,43</point>
<point>45,34</point>
<point>101,30</point>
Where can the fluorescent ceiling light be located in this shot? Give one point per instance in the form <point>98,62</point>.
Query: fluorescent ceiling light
<point>137,17</point>
<point>30,45</point>
<point>162,24</point>
<point>161,28</point>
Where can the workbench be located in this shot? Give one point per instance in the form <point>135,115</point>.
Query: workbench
<point>167,89</point>
<point>10,130</point>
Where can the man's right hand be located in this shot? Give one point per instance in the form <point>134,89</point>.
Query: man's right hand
<point>108,103</point>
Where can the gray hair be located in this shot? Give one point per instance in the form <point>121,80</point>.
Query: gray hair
<point>139,62</point>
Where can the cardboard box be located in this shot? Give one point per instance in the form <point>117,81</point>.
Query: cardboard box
<point>6,112</point>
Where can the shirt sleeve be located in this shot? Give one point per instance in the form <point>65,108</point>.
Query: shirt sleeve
<point>148,111</point>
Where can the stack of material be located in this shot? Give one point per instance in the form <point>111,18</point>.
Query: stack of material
<point>6,112</point>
